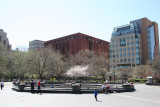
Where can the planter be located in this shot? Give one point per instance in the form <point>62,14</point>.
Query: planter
<point>76,88</point>
<point>21,87</point>
<point>128,87</point>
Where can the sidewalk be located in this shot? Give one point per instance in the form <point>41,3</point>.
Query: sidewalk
<point>142,97</point>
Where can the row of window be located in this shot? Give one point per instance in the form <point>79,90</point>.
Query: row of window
<point>124,44</point>
<point>125,55</point>
<point>74,37</point>
<point>90,39</point>
<point>126,60</point>
<point>123,50</point>
<point>124,38</point>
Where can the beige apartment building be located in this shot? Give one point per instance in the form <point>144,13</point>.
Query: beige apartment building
<point>134,44</point>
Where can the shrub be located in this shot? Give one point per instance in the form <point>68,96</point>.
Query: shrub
<point>140,80</point>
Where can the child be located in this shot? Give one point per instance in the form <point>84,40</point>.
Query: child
<point>95,94</point>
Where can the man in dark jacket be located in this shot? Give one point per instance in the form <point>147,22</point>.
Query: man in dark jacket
<point>32,87</point>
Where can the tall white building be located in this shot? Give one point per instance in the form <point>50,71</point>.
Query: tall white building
<point>4,40</point>
<point>36,45</point>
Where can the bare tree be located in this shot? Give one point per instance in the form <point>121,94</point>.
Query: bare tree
<point>156,64</point>
<point>40,61</point>
<point>83,57</point>
<point>59,65</point>
<point>101,66</point>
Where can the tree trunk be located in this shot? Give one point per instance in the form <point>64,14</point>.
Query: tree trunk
<point>103,77</point>
<point>41,77</point>
<point>59,78</point>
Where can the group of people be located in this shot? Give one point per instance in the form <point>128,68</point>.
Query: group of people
<point>105,88</point>
<point>38,85</point>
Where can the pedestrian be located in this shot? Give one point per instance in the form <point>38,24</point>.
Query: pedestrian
<point>95,94</point>
<point>39,88</point>
<point>103,87</point>
<point>32,86</point>
<point>2,84</point>
<point>14,83</point>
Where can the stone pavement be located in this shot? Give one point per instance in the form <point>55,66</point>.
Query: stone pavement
<point>144,96</point>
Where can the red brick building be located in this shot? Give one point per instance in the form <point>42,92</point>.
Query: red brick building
<point>71,44</point>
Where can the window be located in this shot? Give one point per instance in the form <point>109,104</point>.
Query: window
<point>125,60</point>
<point>132,37</point>
<point>82,36</point>
<point>128,49</point>
<point>128,38</point>
<point>117,50</point>
<point>86,38</point>
<point>121,55</point>
<point>129,54</point>
<point>116,45</point>
<point>129,59</point>
<point>120,49</point>
<point>137,61</point>
<point>75,36</point>
<point>133,59</point>
<point>113,46</point>
<point>124,54</point>
<point>113,51</point>
<point>132,53</point>
<point>132,48</point>
<point>124,49</point>
<point>132,43</point>
<point>117,56</point>
<point>122,42</point>
<point>121,60</point>
<point>128,43</point>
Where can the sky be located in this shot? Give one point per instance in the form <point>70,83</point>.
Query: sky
<point>27,20</point>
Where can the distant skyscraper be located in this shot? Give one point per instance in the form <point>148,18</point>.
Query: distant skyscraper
<point>36,45</point>
<point>4,40</point>
<point>134,43</point>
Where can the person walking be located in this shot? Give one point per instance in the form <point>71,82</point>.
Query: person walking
<point>2,84</point>
<point>39,88</point>
<point>103,88</point>
<point>95,94</point>
<point>32,86</point>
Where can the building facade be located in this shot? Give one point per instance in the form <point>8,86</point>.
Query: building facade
<point>36,45</point>
<point>4,40</point>
<point>73,43</point>
<point>134,44</point>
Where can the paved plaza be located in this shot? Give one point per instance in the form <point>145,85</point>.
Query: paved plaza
<point>144,96</point>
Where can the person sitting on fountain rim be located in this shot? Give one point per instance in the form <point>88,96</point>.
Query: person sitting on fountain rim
<point>52,86</point>
<point>107,89</point>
